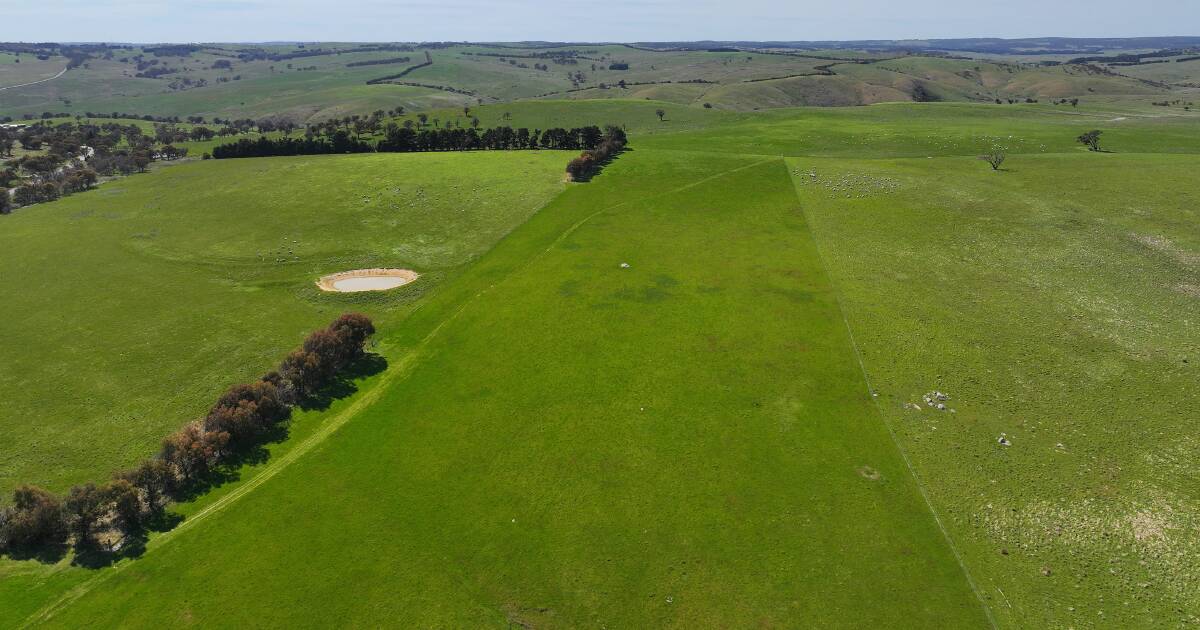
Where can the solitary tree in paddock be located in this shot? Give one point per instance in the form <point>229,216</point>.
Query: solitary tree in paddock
<point>1091,139</point>
<point>995,157</point>
<point>661,114</point>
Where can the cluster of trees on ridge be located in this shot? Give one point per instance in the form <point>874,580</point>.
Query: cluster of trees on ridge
<point>72,157</point>
<point>242,419</point>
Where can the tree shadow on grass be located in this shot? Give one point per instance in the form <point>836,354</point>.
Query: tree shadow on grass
<point>48,553</point>
<point>257,453</point>
<point>344,385</point>
<point>97,555</point>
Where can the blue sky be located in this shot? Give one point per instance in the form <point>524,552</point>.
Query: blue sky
<point>572,20</point>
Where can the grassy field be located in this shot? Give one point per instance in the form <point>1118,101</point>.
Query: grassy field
<point>1055,302</point>
<point>137,294</point>
<point>18,70</point>
<point>547,451</point>
<point>722,434</point>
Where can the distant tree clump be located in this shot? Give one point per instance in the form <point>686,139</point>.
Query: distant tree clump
<point>661,113</point>
<point>76,155</point>
<point>1091,139</point>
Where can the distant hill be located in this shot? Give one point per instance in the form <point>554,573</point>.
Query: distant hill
<point>1025,46</point>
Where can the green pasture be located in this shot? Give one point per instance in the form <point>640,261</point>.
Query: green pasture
<point>542,452</point>
<point>128,309</point>
<point>730,431</point>
<point>1055,303</point>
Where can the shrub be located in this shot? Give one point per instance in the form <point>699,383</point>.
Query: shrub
<point>84,507</point>
<point>302,371</point>
<point>246,412</point>
<point>126,502</point>
<point>192,451</point>
<point>580,167</point>
<point>35,518</point>
<point>155,481</point>
<point>353,329</point>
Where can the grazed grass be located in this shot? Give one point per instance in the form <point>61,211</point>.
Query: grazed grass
<point>640,476</point>
<point>687,441</point>
<point>130,307</point>
<point>1044,301</point>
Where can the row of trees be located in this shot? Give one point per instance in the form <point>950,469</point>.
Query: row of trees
<point>242,419</point>
<point>592,160</point>
<point>403,73</point>
<point>404,139</point>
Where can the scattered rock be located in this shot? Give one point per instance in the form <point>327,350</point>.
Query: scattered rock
<point>1046,571</point>
<point>936,399</point>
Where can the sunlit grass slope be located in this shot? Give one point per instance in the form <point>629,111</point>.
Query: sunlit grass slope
<point>562,441</point>
<point>129,308</point>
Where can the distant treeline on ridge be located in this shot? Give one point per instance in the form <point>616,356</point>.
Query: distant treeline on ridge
<point>406,140</point>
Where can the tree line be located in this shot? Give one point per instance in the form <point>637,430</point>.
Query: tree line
<point>428,62</point>
<point>378,62</point>
<point>589,163</point>
<point>405,139</point>
<point>241,420</point>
